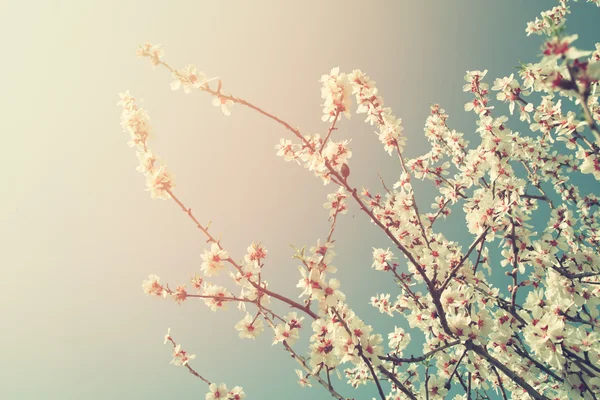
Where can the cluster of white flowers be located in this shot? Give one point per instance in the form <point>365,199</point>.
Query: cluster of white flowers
<point>398,340</point>
<point>213,260</point>
<point>336,93</point>
<point>220,392</point>
<point>152,287</point>
<point>181,357</point>
<point>336,202</point>
<point>325,156</point>
<point>154,52</point>
<point>551,20</point>
<point>369,102</point>
<point>314,282</point>
<point>308,154</point>
<point>384,305</point>
<point>256,254</point>
<point>216,297</point>
<point>289,331</point>
<point>250,327</point>
<point>509,91</point>
<point>135,121</point>
<point>381,259</point>
<point>188,78</point>
<point>342,337</point>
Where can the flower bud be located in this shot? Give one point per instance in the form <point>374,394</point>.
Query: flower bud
<point>345,170</point>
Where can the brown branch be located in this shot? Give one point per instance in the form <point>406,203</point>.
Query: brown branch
<point>461,262</point>
<point>340,180</point>
<point>362,356</point>
<point>331,129</point>
<point>515,286</point>
<point>284,299</point>
<point>220,298</point>
<point>482,351</point>
<point>539,365</point>
<point>534,196</point>
<point>420,358</point>
<point>500,382</point>
<point>187,365</point>
<point>305,366</point>
<point>588,116</point>
<point>398,384</point>
<point>448,382</point>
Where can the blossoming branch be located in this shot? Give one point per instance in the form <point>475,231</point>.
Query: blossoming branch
<point>536,338</point>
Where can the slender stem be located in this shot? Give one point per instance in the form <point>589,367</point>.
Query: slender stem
<point>284,299</point>
<point>420,358</point>
<point>461,262</point>
<point>362,356</point>
<point>190,369</point>
<point>220,298</point>
<point>540,366</point>
<point>588,117</point>
<point>481,351</point>
<point>500,383</point>
<point>306,367</point>
<point>448,383</point>
<point>427,382</point>
<point>396,382</point>
<point>331,129</point>
<point>515,286</point>
<point>534,196</point>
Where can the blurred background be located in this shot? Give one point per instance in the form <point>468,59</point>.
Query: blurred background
<point>79,233</point>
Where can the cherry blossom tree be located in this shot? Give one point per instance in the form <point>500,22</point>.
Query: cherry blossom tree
<point>538,338</point>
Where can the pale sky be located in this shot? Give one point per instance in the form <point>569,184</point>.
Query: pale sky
<point>79,232</point>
